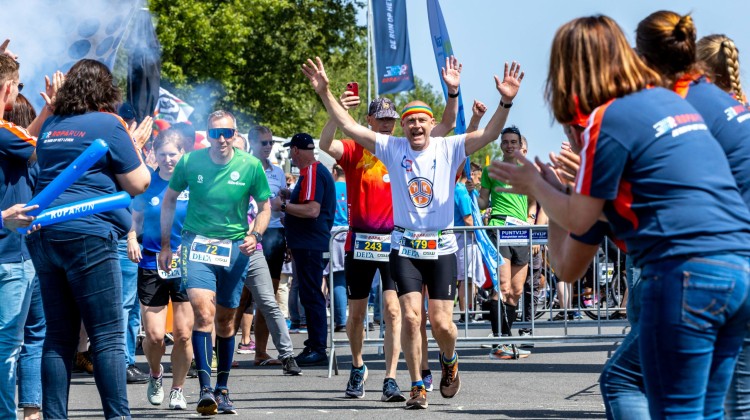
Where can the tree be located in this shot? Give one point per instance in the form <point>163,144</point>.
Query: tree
<point>245,56</point>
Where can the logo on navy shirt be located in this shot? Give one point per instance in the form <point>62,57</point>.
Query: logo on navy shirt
<point>733,111</point>
<point>679,125</point>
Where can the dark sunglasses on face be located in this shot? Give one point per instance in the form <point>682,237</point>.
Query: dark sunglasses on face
<point>215,133</point>
<point>266,143</point>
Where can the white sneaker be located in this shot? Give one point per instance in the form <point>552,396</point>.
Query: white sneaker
<point>177,400</point>
<point>155,391</point>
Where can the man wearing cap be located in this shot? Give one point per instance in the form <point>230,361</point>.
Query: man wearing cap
<point>216,245</point>
<point>422,174</point>
<point>308,221</point>
<point>371,223</point>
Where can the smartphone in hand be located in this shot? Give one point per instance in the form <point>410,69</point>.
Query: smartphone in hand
<point>353,87</point>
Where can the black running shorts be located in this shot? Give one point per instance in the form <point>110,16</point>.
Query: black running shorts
<point>156,291</point>
<point>359,275</point>
<point>439,276</point>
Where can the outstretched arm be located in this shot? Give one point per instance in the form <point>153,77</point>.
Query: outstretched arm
<point>327,143</point>
<point>452,77</point>
<point>508,89</point>
<point>319,80</point>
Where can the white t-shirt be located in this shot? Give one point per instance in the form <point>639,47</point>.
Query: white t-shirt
<point>422,184</point>
<point>276,181</point>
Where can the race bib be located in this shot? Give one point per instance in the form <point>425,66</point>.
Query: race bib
<point>419,245</point>
<point>513,221</point>
<point>211,251</point>
<point>176,267</point>
<point>371,246</point>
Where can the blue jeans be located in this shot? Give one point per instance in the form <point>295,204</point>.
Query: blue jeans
<point>81,279</point>
<point>130,304</point>
<point>339,298</point>
<point>694,318</point>
<point>16,280</point>
<point>310,265</point>
<point>30,362</point>
<point>737,405</point>
<point>621,381</point>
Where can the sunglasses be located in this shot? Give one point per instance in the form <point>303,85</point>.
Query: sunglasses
<point>20,86</point>
<point>266,143</point>
<point>215,133</point>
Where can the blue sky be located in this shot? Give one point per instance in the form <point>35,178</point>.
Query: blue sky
<point>486,33</point>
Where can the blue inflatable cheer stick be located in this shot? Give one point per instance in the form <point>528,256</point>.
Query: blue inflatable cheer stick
<point>80,209</point>
<point>69,175</point>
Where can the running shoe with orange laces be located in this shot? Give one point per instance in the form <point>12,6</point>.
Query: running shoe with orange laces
<point>450,382</point>
<point>417,398</point>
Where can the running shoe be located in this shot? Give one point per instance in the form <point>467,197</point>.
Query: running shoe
<point>155,390</point>
<point>450,382</point>
<point>225,405</point>
<point>83,363</point>
<point>427,379</point>
<point>391,391</point>
<point>248,348</point>
<point>509,351</point>
<point>192,372</point>
<point>355,388</point>
<point>417,398</point>
<point>177,400</point>
<point>207,404</point>
<point>290,367</point>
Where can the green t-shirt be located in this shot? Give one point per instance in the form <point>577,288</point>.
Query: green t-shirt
<point>219,194</point>
<point>505,204</point>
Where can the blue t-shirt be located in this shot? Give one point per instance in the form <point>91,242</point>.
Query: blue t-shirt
<point>149,203</point>
<point>342,216</point>
<point>729,122</point>
<point>16,147</point>
<point>462,207</point>
<point>668,186</point>
<point>62,140</point>
<point>315,184</point>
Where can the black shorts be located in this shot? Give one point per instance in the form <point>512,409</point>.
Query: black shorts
<point>359,275</point>
<point>156,291</point>
<point>439,276</point>
<point>274,249</point>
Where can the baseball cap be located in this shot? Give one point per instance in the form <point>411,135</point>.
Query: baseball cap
<point>302,141</point>
<point>382,108</point>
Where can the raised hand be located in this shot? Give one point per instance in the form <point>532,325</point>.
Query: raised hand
<point>452,74</point>
<point>478,109</point>
<point>51,87</point>
<point>141,132</point>
<point>512,77</point>
<point>316,73</point>
<point>348,100</point>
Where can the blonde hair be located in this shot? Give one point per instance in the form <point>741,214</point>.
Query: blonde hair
<point>591,62</point>
<point>720,59</point>
<point>666,41</point>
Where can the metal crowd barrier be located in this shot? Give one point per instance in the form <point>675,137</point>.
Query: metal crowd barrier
<point>600,297</point>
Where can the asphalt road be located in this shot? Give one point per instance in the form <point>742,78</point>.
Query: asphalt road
<point>558,381</point>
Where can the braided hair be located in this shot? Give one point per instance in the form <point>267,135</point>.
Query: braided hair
<point>720,58</point>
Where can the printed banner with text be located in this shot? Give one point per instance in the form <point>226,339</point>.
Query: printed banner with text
<point>392,54</point>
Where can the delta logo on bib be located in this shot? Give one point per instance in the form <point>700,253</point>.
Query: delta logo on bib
<point>420,192</point>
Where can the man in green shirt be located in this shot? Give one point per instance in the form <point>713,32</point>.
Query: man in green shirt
<point>507,210</point>
<point>216,245</point>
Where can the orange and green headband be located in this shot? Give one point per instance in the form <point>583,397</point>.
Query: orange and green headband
<point>416,109</point>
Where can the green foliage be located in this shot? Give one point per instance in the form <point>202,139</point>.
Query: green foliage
<point>245,56</point>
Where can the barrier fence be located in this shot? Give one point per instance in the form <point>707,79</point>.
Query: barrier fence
<point>550,310</point>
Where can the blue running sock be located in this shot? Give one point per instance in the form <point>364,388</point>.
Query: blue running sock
<point>418,383</point>
<point>451,360</point>
<point>224,356</point>
<point>203,350</point>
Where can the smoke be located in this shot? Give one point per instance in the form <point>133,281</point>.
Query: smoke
<point>50,35</point>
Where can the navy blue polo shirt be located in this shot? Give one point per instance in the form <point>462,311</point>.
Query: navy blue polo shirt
<point>315,184</point>
<point>16,147</point>
<point>62,140</point>
<point>668,187</point>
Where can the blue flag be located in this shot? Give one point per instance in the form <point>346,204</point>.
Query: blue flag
<point>441,44</point>
<point>392,53</point>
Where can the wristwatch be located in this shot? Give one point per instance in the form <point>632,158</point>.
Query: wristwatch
<point>283,206</point>
<point>504,105</point>
<point>258,236</point>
